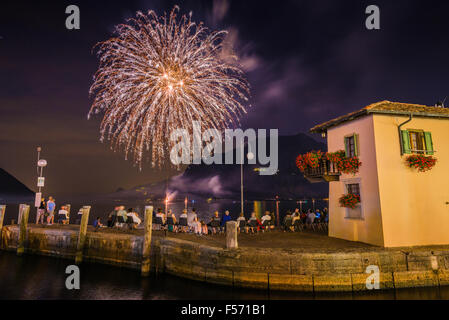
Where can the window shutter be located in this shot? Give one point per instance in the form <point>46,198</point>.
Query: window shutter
<point>356,145</point>
<point>429,143</point>
<point>346,148</point>
<point>406,142</point>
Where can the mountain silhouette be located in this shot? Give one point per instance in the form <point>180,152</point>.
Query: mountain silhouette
<point>223,181</point>
<point>11,187</point>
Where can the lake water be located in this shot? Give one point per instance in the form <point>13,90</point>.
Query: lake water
<point>36,277</point>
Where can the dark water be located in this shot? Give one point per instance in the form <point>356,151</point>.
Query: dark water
<point>204,208</point>
<point>35,277</point>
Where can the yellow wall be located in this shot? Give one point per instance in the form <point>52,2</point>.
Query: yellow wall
<point>414,209</point>
<point>369,228</point>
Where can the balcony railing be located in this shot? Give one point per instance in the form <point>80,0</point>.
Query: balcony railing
<point>327,171</point>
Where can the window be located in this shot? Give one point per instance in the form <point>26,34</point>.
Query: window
<point>353,188</point>
<point>351,146</point>
<point>417,141</point>
<point>356,213</point>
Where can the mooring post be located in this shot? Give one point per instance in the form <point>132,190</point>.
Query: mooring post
<point>24,212</point>
<point>82,235</point>
<point>68,212</point>
<point>2,218</point>
<point>231,235</point>
<point>146,250</point>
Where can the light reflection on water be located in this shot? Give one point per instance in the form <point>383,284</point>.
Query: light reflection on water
<point>36,277</point>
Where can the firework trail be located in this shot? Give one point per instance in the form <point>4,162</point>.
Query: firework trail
<point>159,74</point>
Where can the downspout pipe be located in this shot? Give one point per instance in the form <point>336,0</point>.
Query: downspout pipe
<point>400,133</point>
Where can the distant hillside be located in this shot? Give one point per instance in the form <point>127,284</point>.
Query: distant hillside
<point>223,181</point>
<point>11,187</point>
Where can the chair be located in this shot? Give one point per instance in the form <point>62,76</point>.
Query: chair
<point>288,223</point>
<point>171,222</point>
<point>297,225</point>
<point>266,225</point>
<point>252,223</point>
<point>120,221</point>
<point>214,224</point>
<point>183,224</point>
<point>158,222</point>
<point>242,225</point>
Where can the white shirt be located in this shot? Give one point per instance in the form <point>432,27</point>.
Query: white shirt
<point>63,212</point>
<point>268,218</point>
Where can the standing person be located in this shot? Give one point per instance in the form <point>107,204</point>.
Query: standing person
<point>112,218</point>
<point>122,213</point>
<point>51,206</point>
<point>41,212</point>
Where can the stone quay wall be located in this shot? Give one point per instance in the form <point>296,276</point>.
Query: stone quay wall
<point>267,269</point>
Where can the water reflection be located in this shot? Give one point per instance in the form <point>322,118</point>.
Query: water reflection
<point>35,277</point>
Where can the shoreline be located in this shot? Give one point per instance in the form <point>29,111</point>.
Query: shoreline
<point>329,269</point>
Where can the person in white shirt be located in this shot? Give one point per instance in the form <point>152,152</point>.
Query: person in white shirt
<point>63,215</point>
<point>241,218</point>
<point>134,217</point>
<point>191,218</point>
<point>266,217</point>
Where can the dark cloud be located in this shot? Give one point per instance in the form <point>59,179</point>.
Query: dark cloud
<point>307,61</point>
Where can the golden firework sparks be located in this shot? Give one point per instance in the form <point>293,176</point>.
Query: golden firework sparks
<point>159,74</point>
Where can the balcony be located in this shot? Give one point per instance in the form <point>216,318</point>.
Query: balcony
<point>326,172</point>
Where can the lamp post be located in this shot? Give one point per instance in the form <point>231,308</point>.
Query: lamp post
<point>250,156</point>
<point>41,163</point>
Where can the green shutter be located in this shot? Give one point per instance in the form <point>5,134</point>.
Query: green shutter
<point>356,145</point>
<point>346,148</point>
<point>406,142</point>
<point>429,143</point>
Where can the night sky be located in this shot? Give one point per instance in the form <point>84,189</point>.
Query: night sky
<point>307,62</point>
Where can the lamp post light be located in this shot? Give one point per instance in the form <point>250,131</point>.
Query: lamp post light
<point>250,156</point>
<point>41,163</point>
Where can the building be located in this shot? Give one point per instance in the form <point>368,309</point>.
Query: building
<point>399,206</point>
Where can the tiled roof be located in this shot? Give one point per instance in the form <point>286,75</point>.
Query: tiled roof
<point>386,107</point>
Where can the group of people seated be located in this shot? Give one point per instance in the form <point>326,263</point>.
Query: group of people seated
<point>298,220</point>
<point>119,218</point>
<point>189,222</point>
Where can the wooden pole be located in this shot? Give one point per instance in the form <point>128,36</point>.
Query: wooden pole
<point>2,218</point>
<point>231,235</point>
<point>24,212</point>
<point>82,235</point>
<point>146,250</point>
<point>68,212</point>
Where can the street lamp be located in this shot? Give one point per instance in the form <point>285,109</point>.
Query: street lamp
<point>250,156</point>
<point>41,163</point>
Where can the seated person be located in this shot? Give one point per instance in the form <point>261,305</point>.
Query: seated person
<point>63,215</point>
<point>121,213</point>
<point>161,215</point>
<point>133,218</point>
<point>204,229</point>
<point>214,223</point>
<point>225,219</point>
<point>254,223</point>
<point>266,217</point>
<point>97,223</point>
<point>288,222</point>
<point>241,218</point>
<point>191,218</point>
<point>185,217</point>
<point>172,227</point>
<point>196,226</point>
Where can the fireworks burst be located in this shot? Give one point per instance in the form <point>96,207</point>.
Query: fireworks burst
<point>160,74</point>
